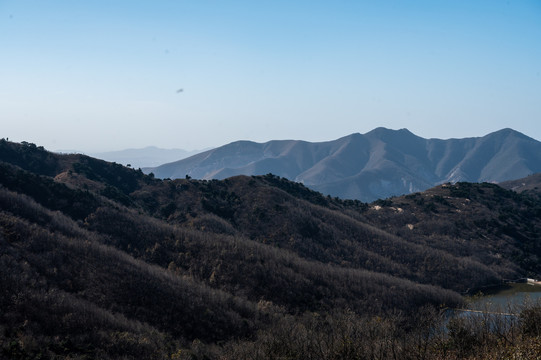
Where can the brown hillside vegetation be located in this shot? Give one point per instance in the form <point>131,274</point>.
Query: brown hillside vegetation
<point>101,261</point>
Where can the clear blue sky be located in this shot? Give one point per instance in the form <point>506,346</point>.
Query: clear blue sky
<point>104,75</point>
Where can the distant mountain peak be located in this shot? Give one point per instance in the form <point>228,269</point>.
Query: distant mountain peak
<point>144,157</point>
<point>384,130</point>
<point>389,134</point>
<point>510,132</point>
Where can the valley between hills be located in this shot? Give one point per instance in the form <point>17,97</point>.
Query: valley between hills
<point>99,260</point>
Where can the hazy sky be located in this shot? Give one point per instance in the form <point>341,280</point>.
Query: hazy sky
<point>104,75</point>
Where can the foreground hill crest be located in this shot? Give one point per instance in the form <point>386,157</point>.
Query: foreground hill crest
<point>378,164</point>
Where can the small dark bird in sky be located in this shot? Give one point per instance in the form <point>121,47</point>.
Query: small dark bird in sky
<point>180,90</point>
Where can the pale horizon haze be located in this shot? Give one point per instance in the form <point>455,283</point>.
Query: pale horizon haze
<point>108,75</point>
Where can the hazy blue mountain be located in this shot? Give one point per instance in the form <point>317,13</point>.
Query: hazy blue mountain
<point>145,157</point>
<point>378,164</point>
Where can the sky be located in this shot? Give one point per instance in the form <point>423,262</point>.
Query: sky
<point>108,75</point>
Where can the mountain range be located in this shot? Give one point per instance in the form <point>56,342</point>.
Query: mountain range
<point>145,157</point>
<point>378,164</point>
<point>100,261</point>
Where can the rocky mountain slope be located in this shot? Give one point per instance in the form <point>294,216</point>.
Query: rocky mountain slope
<point>378,164</point>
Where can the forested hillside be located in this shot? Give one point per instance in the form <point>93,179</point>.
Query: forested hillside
<point>99,260</point>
